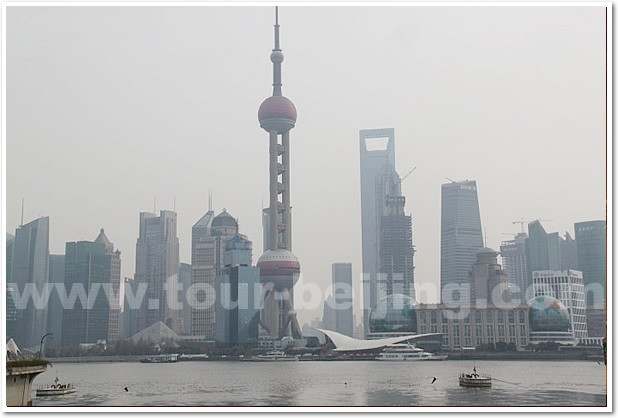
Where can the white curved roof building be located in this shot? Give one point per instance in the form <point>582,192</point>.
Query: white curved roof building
<point>345,343</point>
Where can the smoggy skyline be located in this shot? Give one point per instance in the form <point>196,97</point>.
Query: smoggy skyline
<point>112,111</point>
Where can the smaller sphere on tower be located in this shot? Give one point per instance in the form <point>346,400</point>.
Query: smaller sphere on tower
<point>276,56</point>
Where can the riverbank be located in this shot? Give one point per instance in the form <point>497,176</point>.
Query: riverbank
<point>562,355</point>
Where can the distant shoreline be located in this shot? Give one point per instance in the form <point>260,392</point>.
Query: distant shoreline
<point>565,355</point>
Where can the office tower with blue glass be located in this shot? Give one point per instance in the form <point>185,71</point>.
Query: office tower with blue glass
<point>461,237</point>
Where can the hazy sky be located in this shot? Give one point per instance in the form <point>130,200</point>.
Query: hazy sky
<point>109,108</point>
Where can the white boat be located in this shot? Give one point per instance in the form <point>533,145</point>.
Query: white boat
<point>406,352</point>
<point>275,355</point>
<point>164,358</point>
<point>193,357</point>
<point>55,389</point>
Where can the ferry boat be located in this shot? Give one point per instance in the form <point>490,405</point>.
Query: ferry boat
<point>275,355</point>
<point>474,380</point>
<point>55,389</point>
<point>163,358</point>
<point>406,352</point>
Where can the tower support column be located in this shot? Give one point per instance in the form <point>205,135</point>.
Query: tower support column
<point>274,209</point>
<point>287,216</point>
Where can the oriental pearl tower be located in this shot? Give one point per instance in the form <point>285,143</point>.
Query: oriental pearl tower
<point>279,267</point>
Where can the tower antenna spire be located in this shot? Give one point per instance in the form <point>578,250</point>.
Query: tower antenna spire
<point>276,57</point>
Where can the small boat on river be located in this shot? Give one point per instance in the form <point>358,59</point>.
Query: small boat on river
<point>474,380</point>
<point>55,389</point>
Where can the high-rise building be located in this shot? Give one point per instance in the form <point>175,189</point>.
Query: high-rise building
<point>514,261</point>
<point>29,268</point>
<point>396,253</point>
<point>378,178</point>
<point>93,266</point>
<point>568,253</point>
<point>537,249</point>
<point>328,314</point>
<point>548,251</point>
<point>461,237</point>
<point>11,313</point>
<point>156,265</point>
<point>10,244</point>
<point>185,277</point>
<point>568,287</point>
<point>11,309</point>
<point>55,310</point>
<point>279,267</point>
<point>489,284</point>
<point>343,315</point>
<point>591,241</point>
<point>238,295</point>
<point>209,236</point>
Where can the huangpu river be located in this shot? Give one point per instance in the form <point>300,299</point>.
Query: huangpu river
<point>329,383</point>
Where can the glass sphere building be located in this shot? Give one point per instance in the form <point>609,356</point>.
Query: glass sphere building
<point>549,320</point>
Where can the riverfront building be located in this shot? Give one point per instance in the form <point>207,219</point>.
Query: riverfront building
<point>461,237</point>
<point>567,286</point>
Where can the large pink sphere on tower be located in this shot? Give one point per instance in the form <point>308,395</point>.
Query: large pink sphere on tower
<point>277,113</point>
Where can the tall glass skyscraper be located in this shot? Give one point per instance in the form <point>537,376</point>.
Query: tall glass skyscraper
<point>156,261</point>
<point>343,317</point>
<point>461,236</point>
<point>377,159</point>
<point>30,267</point>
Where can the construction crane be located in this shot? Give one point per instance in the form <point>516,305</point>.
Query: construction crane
<point>525,221</point>
<point>406,175</point>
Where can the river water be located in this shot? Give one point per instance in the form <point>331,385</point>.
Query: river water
<point>332,383</point>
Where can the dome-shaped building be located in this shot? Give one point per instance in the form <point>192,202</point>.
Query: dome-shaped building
<point>549,321</point>
<point>224,224</point>
<point>393,314</point>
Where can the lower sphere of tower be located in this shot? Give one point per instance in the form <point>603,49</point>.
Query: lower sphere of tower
<point>279,267</point>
